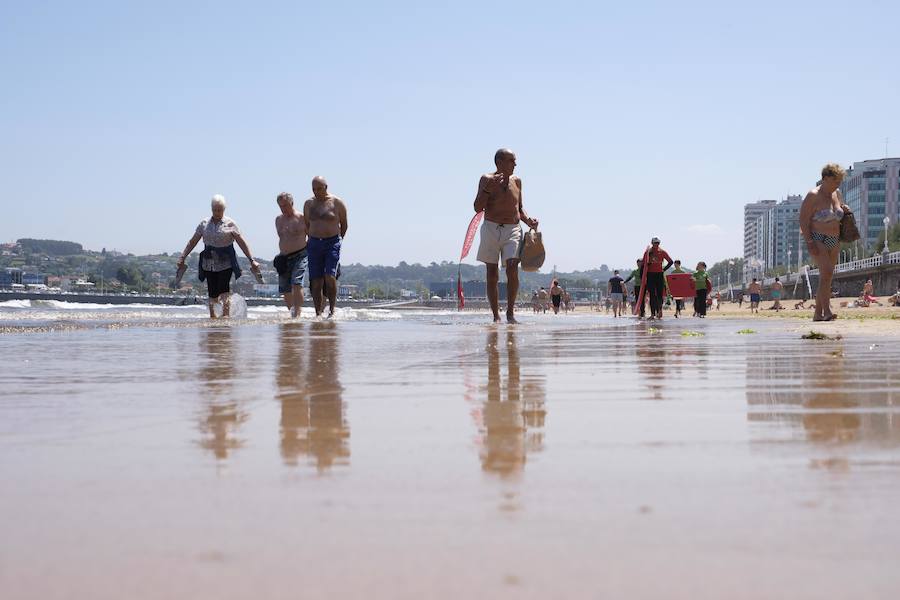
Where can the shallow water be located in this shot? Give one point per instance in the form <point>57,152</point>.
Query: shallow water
<point>435,455</point>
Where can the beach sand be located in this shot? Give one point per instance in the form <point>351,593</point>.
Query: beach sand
<point>874,320</point>
<point>440,456</point>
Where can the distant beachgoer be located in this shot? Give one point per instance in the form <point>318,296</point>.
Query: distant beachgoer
<point>326,225</point>
<point>868,293</point>
<point>544,298</point>
<point>740,298</point>
<point>500,197</point>
<point>679,302</point>
<point>555,296</point>
<point>754,289</point>
<point>637,276</point>
<point>535,302</point>
<point>218,261</point>
<point>701,288</point>
<point>656,282</point>
<point>291,262</point>
<point>777,287</point>
<point>894,300</point>
<point>615,289</point>
<point>566,300</point>
<point>820,224</point>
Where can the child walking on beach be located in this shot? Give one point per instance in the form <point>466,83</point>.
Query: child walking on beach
<point>701,288</point>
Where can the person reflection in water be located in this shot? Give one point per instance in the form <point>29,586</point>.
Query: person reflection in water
<point>824,395</point>
<point>823,404</point>
<point>512,418</point>
<point>222,414</point>
<point>313,422</point>
<point>290,379</point>
<point>651,359</point>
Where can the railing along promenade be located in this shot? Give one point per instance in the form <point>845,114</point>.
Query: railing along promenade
<point>878,260</point>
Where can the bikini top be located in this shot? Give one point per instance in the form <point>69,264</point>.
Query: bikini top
<point>828,215</point>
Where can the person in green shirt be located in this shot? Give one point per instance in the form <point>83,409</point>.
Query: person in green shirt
<point>701,288</point>
<point>637,275</point>
<point>679,302</point>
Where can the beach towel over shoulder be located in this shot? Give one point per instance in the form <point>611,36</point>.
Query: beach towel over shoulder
<point>532,251</point>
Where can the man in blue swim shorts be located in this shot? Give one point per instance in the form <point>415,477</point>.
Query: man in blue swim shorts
<point>326,226</point>
<point>291,260</point>
<point>755,290</point>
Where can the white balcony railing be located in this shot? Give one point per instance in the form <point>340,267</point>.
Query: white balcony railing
<point>855,265</point>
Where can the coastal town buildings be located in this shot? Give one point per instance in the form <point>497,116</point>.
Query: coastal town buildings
<point>772,238</point>
<point>872,191</point>
<point>772,235</point>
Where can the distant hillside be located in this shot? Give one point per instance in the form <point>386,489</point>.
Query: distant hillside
<point>50,247</point>
<point>61,258</point>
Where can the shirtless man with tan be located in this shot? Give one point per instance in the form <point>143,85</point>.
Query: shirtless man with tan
<point>776,290</point>
<point>326,226</point>
<point>500,197</point>
<point>291,262</point>
<point>755,290</point>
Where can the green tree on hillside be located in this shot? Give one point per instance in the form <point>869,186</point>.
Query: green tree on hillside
<point>722,269</point>
<point>50,247</point>
<point>130,275</point>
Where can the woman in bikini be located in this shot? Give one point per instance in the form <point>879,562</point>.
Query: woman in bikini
<point>820,222</point>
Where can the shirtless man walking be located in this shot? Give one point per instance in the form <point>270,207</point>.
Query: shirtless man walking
<point>326,225</point>
<point>755,290</point>
<point>544,299</point>
<point>291,262</point>
<point>500,197</point>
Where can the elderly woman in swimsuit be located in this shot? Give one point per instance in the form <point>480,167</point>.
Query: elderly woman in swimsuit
<point>820,222</point>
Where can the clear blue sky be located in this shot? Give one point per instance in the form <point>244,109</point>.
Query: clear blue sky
<point>120,120</point>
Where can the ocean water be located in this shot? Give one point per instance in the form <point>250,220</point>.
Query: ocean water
<point>149,452</point>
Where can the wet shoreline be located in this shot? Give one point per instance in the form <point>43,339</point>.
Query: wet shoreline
<point>443,456</point>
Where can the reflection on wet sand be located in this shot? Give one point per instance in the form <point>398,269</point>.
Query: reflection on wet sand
<point>313,421</point>
<point>658,363</point>
<point>651,359</point>
<point>830,426</point>
<point>832,401</point>
<point>512,415</point>
<point>290,379</point>
<point>221,415</point>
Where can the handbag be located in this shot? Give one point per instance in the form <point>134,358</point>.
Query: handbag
<point>849,230</point>
<point>531,251</point>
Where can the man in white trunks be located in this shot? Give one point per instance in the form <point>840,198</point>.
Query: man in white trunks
<point>500,197</point>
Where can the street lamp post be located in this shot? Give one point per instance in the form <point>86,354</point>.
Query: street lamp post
<point>886,222</point>
<point>730,293</point>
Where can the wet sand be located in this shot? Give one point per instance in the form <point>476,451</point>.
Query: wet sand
<point>438,456</point>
